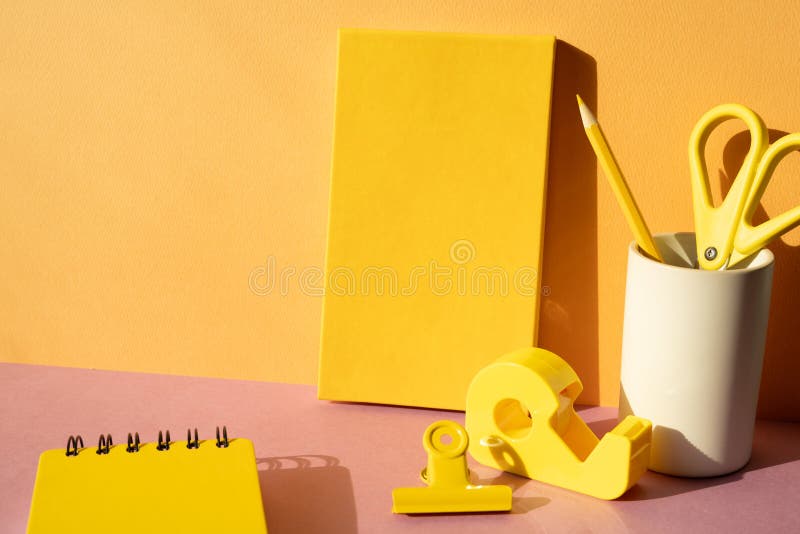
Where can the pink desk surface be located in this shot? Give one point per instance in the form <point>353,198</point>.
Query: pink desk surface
<point>327,467</point>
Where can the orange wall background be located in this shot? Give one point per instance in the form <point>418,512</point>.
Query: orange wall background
<point>153,155</point>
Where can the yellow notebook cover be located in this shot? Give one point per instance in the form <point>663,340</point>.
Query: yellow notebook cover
<point>436,212</point>
<point>205,489</point>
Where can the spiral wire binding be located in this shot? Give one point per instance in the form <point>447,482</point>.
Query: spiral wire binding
<point>223,443</point>
<point>133,443</point>
<point>189,443</point>
<point>72,445</point>
<point>104,444</point>
<point>162,444</point>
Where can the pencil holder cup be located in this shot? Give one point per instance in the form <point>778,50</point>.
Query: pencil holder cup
<point>692,349</point>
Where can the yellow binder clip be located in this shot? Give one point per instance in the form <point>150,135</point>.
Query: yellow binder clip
<point>521,418</point>
<point>447,477</point>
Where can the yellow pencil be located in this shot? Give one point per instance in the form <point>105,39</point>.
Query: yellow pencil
<point>626,201</point>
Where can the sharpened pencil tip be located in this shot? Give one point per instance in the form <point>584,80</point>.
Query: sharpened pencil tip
<point>587,117</point>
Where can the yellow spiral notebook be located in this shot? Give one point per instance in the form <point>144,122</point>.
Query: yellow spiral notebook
<point>168,486</point>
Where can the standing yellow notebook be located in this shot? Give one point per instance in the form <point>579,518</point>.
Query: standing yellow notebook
<point>135,489</point>
<point>436,212</point>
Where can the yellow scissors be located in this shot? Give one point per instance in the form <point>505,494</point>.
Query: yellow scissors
<point>725,234</point>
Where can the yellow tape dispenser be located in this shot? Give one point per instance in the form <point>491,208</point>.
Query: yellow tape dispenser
<point>449,489</point>
<point>521,418</point>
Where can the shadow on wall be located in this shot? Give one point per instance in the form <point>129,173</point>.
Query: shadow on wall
<point>778,397</point>
<point>309,494</point>
<point>568,323</point>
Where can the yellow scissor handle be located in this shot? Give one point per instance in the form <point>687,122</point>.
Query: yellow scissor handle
<point>715,228</point>
<point>750,239</point>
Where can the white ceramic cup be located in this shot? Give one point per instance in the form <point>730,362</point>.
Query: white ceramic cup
<point>692,349</point>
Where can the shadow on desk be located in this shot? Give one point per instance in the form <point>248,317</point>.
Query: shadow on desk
<point>309,494</point>
<point>519,504</point>
<point>774,443</point>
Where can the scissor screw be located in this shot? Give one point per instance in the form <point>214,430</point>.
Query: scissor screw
<point>711,253</point>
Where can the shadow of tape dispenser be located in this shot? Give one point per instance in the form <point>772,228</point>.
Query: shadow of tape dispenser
<point>521,418</point>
